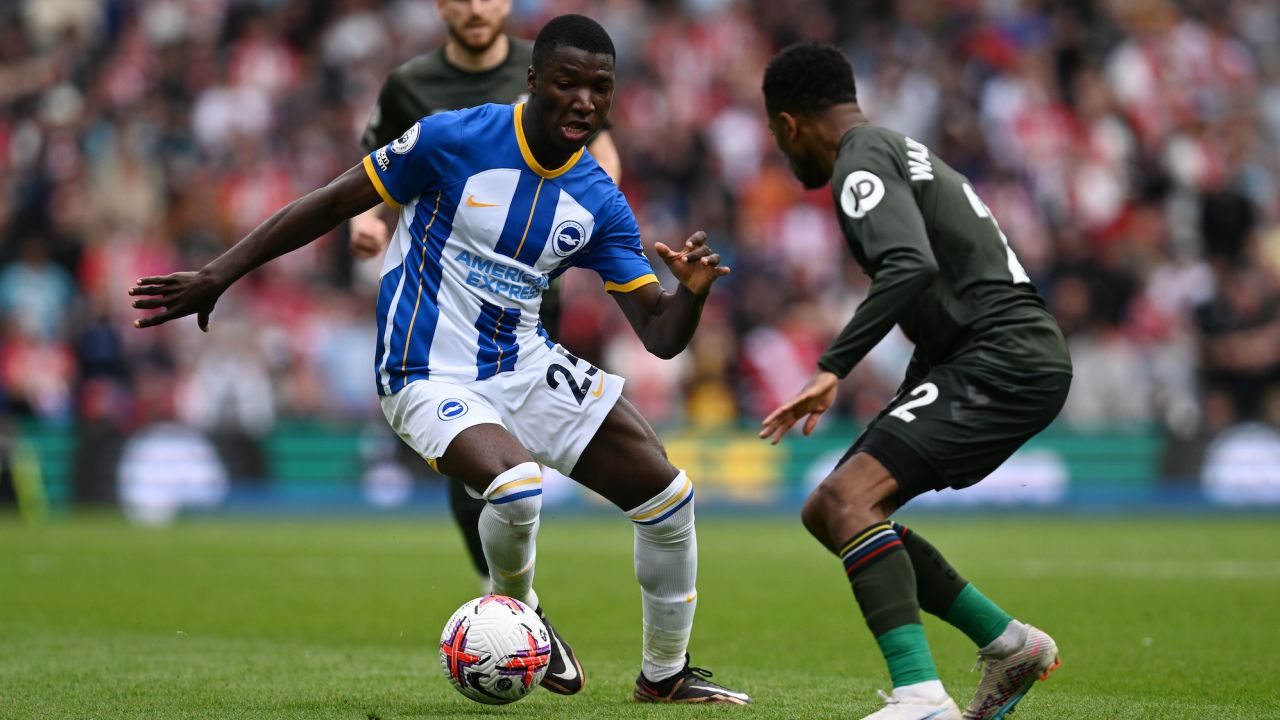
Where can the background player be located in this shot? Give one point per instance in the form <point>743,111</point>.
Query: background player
<point>495,201</point>
<point>990,370</point>
<point>479,63</point>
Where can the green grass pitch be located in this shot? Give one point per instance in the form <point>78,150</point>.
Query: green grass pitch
<point>327,618</point>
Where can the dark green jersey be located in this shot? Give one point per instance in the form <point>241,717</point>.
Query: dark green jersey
<point>940,267</point>
<point>430,84</point>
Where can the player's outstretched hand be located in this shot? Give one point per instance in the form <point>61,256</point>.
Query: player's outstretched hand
<point>695,265</point>
<point>179,294</point>
<point>817,396</point>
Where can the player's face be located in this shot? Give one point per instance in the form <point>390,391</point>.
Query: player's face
<point>804,163</point>
<point>571,96</point>
<point>474,24</point>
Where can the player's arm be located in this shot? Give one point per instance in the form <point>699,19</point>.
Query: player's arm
<point>892,234</point>
<point>391,116</point>
<point>881,212</point>
<point>665,321</point>
<point>291,227</point>
<point>605,152</point>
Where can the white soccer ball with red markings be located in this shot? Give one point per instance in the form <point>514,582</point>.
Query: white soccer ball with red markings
<point>495,650</point>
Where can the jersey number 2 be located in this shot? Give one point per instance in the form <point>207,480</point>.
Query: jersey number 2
<point>923,394</point>
<point>979,207</point>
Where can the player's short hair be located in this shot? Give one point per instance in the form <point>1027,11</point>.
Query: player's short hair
<point>808,77</point>
<point>577,31</point>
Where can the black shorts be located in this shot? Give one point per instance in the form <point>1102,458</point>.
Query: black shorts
<point>959,424</point>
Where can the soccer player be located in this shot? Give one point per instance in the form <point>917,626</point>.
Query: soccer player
<point>479,63</point>
<point>494,202</point>
<point>990,370</point>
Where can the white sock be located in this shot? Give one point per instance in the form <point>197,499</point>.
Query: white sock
<point>929,691</point>
<point>666,562</point>
<point>1008,642</point>
<point>509,530</point>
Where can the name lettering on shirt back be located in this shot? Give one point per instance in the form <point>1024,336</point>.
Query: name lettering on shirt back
<point>918,161</point>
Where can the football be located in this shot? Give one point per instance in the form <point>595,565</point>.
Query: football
<point>495,650</point>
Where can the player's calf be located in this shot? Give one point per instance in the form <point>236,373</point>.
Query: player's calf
<point>666,565</point>
<point>509,529</point>
<point>666,562</point>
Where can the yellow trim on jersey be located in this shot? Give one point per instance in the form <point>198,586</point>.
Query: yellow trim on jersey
<point>425,234</point>
<point>496,327</point>
<point>432,462</point>
<point>377,182</point>
<point>529,222</point>
<point>528,154</point>
<point>630,285</point>
<point>688,483</point>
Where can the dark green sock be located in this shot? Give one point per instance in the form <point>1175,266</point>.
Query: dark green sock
<point>944,593</point>
<point>885,587</point>
<point>937,583</point>
<point>977,617</point>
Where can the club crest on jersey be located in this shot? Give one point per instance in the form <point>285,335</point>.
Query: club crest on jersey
<point>861,192</point>
<point>405,142</point>
<point>568,237</point>
<point>451,409</point>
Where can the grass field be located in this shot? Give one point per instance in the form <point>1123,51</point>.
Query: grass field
<point>261,618</point>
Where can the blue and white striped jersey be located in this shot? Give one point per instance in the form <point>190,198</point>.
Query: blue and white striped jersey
<point>483,229</point>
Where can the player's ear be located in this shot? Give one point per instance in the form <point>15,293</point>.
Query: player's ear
<point>533,81</point>
<point>789,125</point>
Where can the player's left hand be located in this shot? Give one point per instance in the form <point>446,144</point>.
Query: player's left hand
<point>818,395</point>
<point>695,265</point>
<point>180,294</point>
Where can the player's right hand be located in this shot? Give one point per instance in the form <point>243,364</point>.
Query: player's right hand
<point>180,294</point>
<point>818,395</point>
<point>695,265</point>
<point>369,235</point>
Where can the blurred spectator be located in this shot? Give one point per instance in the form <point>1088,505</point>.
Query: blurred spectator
<point>36,292</point>
<point>1240,327</point>
<point>229,395</point>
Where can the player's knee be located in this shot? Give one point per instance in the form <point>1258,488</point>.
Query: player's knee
<point>835,503</point>
<point>515,496</point>
<point>667,517</point>
<point>812,517</point>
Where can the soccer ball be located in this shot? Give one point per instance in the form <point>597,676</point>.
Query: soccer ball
<point>495,650</point>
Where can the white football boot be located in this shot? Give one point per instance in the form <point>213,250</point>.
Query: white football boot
<point>1006,679</point>
<point>913,708</point>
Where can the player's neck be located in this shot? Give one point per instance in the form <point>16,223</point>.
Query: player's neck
<point>832,126</point>
<point>466,60</point>
<point>840,119</point>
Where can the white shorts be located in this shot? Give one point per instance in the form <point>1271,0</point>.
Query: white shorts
<point>553,404</point>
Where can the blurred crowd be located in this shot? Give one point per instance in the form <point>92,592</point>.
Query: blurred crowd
<point>1126,146</point>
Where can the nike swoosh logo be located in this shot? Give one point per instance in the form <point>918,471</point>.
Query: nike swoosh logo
<point>570,670</point>
<point>472,202</point>
<point>691,598</point>
<point>600,390</point>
